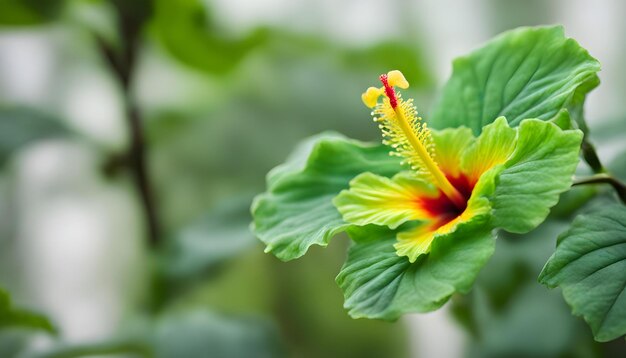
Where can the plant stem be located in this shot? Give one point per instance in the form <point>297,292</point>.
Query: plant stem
<point>122,63</point>
<point>604,178</point>
<point>138,156</point>
<point>591,156</point>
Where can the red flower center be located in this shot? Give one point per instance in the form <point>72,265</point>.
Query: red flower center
<point>441,207</point>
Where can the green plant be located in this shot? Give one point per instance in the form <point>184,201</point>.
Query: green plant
<point>504,145</point>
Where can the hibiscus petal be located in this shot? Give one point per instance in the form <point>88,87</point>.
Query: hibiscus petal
<point>450,144</point>
<point>494,146</point>
<point>374,199</point>
<point>540,169</point>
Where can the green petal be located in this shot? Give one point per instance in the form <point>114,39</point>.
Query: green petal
<point>523,73</point>
<point>296,211</point>
<point>538,171</point>
<point>373,199</point>
<point>589,266</point>
<point>450,144</point>
<point>377,283</point>
<point>493,147</point>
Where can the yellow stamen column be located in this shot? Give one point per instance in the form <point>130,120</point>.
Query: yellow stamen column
<point>441,181</point>
<point>370,98</point>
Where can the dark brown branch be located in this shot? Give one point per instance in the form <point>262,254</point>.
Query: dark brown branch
<point>122,62</point>
<point>138,157</point>
<point>604,178</point>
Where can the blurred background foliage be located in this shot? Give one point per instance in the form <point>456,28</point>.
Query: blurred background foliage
<point>219,104</point>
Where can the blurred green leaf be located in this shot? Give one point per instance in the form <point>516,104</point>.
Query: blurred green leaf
<point>309,308</point>
<point>527,13</point>
<point>14,342</point>
<point>618,166</point>
<point>218,236</point>
<point>609,129</point>
<point>533,323</point>
<point>311,328</point>
<point>20,127</point>
<point>11,317</point>
<point>191,333</point>
<point>136,347</point>
<point>390,55</point>
<point>185,29</point>
<point>523,73</point>
<point>377,283</point>
<point>206,334</point>
<point>228,289</point>
<point>589,265</point>
<point>28,12</point>
<point>297,211</point>
<point>572,200</point>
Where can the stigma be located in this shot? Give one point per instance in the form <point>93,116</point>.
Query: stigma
<point>389,80</point>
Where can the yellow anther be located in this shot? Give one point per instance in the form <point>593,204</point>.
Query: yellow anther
<point>396,78</point>
<point>370,97</point>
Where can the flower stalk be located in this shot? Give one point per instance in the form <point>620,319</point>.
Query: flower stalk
<point>604,178</point>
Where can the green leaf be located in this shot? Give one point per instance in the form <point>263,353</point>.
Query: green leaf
<point>537,172</point>
<point>377,283</point>
<point>28,12</point>
<point>523,73</point>
<point>186,31</point>
<point>297,211</point>
<point>11,317</point>
<point>20,127</point>
<point>589,265</point>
